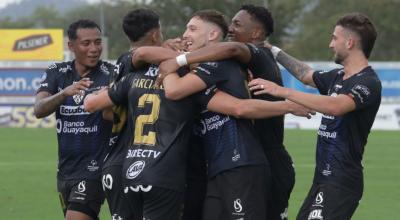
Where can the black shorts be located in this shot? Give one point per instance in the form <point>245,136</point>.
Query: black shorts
<point>112,186</point>
<point>84,196</point>
<point>239,193</point>
<point>283,179</point>
<point>196,182</point>
<point>155,203</point>
<point>328,202</point>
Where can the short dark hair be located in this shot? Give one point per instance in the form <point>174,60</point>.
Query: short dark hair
<point>262,15</point>
<point>363,27</point>
<point>81,23</point>
<point>215,17</point>
<point>138,22</point>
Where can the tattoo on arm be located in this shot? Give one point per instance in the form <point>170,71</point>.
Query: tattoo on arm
<point>47,105</point>
<point>297,68</point>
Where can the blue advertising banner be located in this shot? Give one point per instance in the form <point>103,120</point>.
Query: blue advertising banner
<point>390,78</point>
<point>18,86</point>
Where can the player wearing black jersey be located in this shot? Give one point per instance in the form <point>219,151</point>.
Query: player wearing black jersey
<point>82,137</point>
<point>154,167</point>
<point>349,100</point>
<point>252,24</point>
<point>112,169</point>
<point>233,153</point>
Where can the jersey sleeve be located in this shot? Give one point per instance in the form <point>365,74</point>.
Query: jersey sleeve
<point>212,72</point>
<point>365,92</point>
<point>49,80</point>
<point>119,91</point>
<point>323,79</point>
<point>203,97</point>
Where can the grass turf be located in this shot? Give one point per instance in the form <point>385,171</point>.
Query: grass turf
<point>28,160</point>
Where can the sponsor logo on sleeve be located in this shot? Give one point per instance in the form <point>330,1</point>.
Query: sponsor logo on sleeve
<point>361,92</point>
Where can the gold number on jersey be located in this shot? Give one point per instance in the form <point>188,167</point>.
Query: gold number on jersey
<point>142,120</point>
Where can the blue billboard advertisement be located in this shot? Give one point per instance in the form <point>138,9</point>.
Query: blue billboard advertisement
<point>390,78</point>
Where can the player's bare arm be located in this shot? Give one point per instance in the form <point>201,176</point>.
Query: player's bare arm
<point>220,51</point>
<point>151,54</point>
<point>254,108</point>
<point>298,69</point>
<point>329,105</point>
<point>215,52</point>
<point>46,103</point>
<point>98,101</point>
<point>177,87</point>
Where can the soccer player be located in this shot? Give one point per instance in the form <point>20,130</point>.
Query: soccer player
<point>237,182</point>
<point>136,25</point>
<point>82,137</point>
<point>251,25</point>
<point>154,172</point>
<point>349,100</point>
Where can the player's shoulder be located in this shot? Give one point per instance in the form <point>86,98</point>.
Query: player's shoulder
<point>59,68</point>
<point>125,57</point>
<point>336,71</point>
<point>107,68</point>
<point>369,76</point>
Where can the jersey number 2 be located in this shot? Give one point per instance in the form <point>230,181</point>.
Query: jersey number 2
<point>142,120</point>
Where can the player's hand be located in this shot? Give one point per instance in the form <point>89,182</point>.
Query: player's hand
<point>299,110</point>
<point>261,86</point>
<point>267,45</point>
<point>77,87</point>
<point>165,68</point>
<point>176,44</point>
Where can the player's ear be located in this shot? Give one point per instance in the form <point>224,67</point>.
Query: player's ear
<point>154,36</point>
<point>71,46</point>
<point>351,42</point>
<point>256,34</point>
<point>213,35</point>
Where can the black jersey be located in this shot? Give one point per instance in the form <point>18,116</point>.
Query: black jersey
<point>341,139</point>
<point>229,142</point>
<point>82,136</point>
<point>160,128</point>
<point>263,65</point>
<point>117,153</point>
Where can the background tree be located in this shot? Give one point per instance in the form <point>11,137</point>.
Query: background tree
<point>315,28</point>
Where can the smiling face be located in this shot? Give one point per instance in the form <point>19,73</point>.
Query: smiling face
<point>242,27</point>
<point>87,47</point>
<point>197,33</point>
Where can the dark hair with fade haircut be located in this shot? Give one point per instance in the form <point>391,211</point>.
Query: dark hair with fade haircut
<point>215,17</point>
<point>138,22</point>
<point>262,15</point>
<point>363,27</point>
<point>81,23</point>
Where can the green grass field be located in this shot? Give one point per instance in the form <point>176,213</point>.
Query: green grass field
<point>28,174</point>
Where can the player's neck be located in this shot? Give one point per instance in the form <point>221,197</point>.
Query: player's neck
<point>82,70</point>
<point>353,65</point>
<point>142,43</point>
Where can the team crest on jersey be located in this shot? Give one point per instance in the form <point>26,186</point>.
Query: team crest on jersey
<point>104,69</point>
<point>78,97</point>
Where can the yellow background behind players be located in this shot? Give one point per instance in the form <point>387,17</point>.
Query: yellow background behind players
<point>31,44</point>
